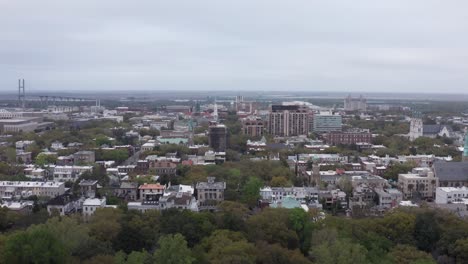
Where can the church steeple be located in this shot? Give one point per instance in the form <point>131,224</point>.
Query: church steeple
<point>215,111</point>
<point>465,150</point>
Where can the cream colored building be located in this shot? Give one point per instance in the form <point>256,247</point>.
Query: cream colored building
<point>411,184</point>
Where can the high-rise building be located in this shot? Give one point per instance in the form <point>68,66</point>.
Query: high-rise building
<point>253,126</point>
<point>355,104</point>
<point>288,120</point>
<point>327,122</point>
<point>217,137</point>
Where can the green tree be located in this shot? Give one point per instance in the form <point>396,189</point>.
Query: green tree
<point>426,231</point>
<point>173,249</point>
<point>276,254</point>
<point>44,159</point>
<point>341,251</point>
<point>37,245</point>
<point>406,254</point>
<point>280,181</point>
<point>396,168</point>
<point>251,191</point>
<point>300,222</point>
<point>224,246</point>
<point>272,226</point>
<point>105,223</point>
<point>461,250</point>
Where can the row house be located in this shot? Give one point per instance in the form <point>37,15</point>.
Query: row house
<point>164,168</point>
<point>70,173</point>
<point>17,189</point>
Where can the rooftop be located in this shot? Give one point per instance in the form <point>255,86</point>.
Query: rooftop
<point>31,184</point>
<point>94,202</point>
<point>147,186</point>
<point>451,171</point>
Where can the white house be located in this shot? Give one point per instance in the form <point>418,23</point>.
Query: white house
<point>70,173</point>
<point>446,195</point>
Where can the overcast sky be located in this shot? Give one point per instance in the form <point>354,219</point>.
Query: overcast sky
<point>381,46</point>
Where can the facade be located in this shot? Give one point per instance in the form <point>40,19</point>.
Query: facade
<point>24,157</point>
<point>21,146</point>
<point>164,167</point>
<point>217,137</point>
<point>253,127</point>
<point>36,173</point>
<point>301,194</point>
<point>411,184</point>
<point>179,200</point>
<point>288,120</point>
<point>127,191</point>
<point>151,192</point>
<point>16,189</point>
<point>348,138</point>
<point>210,193</point>
<point>70,173</point>
<point>327,122</point>
<point>446,195</point>
<point>355,104</point>
<point>418,129</point>
<point>389,198</point>
<point>88,188</point>
<point>90,206</point>
<point>64,205</point>
<point>84,157</point>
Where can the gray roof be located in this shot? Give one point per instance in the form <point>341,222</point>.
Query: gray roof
<point>211,185</point>
<point>451,171</point>
<point>435,129</point>
<point>128,185</point>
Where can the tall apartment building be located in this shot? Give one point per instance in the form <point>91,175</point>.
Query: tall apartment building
<point>288,120</point>
<point>355,104</point>
<point>327,122</point>
<point>217,137</point>
<point>253,126</point>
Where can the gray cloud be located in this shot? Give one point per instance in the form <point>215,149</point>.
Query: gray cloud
<point>364,45</point>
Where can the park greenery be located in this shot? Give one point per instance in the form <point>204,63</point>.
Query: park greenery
<point>235,234</point>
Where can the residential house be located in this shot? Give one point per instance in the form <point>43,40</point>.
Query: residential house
<point>84,157</point>
<point>70,173</point>
<point>151,192</point>
<point>64,205</point>
<point>88,188</point>
<point>210,193</point>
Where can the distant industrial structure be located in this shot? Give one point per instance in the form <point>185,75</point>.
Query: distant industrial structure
<point>355,104</point>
